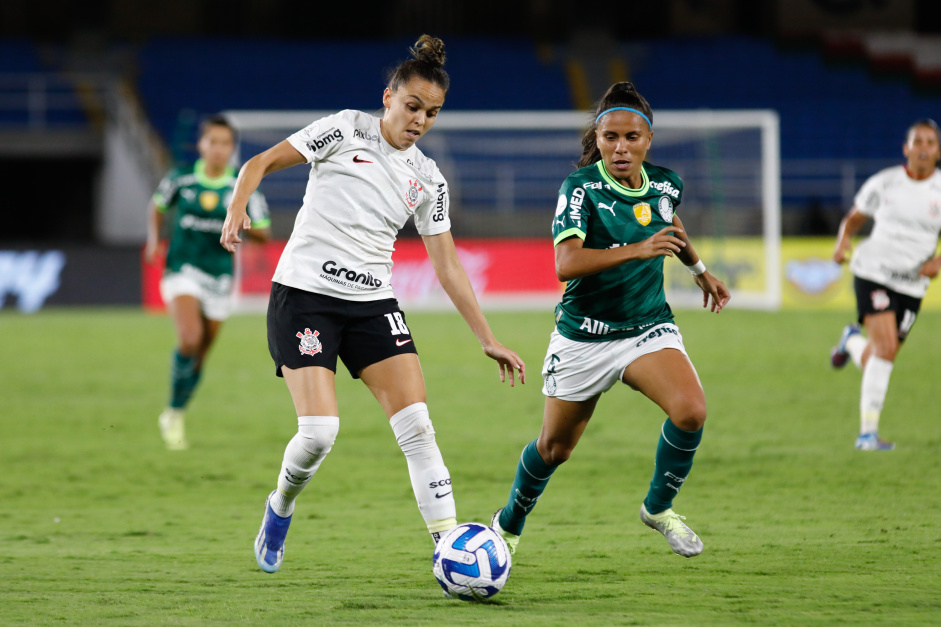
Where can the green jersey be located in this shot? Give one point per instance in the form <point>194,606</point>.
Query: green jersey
<point>625,300</point>
<point>201,204</point>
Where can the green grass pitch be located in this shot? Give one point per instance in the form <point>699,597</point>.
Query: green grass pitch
<point>99,524</point>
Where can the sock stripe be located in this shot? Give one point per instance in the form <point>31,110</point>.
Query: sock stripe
<point>667,440</point>
<point>529,472</point>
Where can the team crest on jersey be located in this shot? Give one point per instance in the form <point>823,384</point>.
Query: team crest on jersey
<point>666,208</point>
<point>309,345</point>
<point>413,195</point>
<point>208,200</point>
<point>642,213</point>
<point>880,300</point>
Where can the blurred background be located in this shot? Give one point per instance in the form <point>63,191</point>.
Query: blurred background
<point>99,98</point>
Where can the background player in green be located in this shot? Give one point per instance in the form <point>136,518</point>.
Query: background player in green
<point>197,282</point>
<point>614,223</point>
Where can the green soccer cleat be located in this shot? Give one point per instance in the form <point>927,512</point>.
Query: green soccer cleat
<point>511,539</point>
<point>681,538</point>
<point>172,429</point>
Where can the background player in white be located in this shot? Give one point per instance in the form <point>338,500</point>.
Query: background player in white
<point>331,293</point>
<point>197,281</point>
<point>892,268</point>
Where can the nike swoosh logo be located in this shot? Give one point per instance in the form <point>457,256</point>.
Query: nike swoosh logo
<point>402,342</point>
<point>356,159</point>
<point>441,496</point>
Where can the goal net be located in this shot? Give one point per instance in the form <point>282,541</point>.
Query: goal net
<point>505,169</point>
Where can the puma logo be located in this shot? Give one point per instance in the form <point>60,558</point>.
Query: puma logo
<point>608,207</point>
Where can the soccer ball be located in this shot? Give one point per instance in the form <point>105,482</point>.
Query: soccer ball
<point>472,562</point>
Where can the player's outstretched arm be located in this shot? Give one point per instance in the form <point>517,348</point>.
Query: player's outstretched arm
<point>154,228</point>
<point>458,287</point>
<point>849,226</point>
<point>278,157</point>
<point>711,286</point>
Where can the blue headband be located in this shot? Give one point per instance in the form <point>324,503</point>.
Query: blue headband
<point>649,124</point>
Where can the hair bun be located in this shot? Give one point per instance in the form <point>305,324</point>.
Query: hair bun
<point>429,50</point>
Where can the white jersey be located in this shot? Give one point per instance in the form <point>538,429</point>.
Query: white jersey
<point>361,191</point>
<point>907,215</point>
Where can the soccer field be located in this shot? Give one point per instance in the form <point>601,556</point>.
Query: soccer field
<point>99,524</point>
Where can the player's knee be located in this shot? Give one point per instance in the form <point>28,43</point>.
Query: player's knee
<point>887,350</point>
<point>689,414</point>
<point>318,433</point>
<point>191,342</point>
<point>555,452</point>
<point>413,430</point>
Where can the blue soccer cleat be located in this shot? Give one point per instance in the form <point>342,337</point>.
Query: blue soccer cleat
<point>839,356</point>
<point>872,442</point>
<point>269,545</point>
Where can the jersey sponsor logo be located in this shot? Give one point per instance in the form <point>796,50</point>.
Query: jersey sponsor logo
<point>575,205</point>
<point>880,300</point>
<point>325,139</point>
<point>595,327</point>
<point>665,206</point>
<point>352,276</point>
<point>593,185</point>
<point>872,201</point>
<point>310,344</point>
<point>665,187</point>
<point>441,204</point>
<point>362,133</point>
<point>560,205</point>
<point>187,194</point>
<point>413,194</point>
<point>208,199</point>
<point>203,225</point>
<point>642,213</point>
<point>658,332</point>
<point>356,159</point>
<point>608,207</point>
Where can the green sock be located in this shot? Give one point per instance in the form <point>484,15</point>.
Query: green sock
<point>532,475</point>
<point>674,459</point>
<point>183,379</point>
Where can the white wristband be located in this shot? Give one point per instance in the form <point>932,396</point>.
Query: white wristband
<point>697,268</point>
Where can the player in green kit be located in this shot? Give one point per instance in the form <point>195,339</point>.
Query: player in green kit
<point>197,282</point>
<point>614,223</point>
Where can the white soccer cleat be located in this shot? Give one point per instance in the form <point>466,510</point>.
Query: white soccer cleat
<point>511,539</point>
<point>681,538</point>
<point>172,429</point>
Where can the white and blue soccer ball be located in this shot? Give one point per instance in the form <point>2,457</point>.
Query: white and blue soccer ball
<point>472,562</point>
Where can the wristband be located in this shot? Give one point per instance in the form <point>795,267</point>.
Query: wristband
<point>697,268</point>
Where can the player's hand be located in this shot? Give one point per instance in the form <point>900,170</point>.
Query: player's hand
<point>235,221</point>
<point>509,362</point>
<point>931,268</point>
<point>661,244</point>
<point>715,288</point>
<point>843,248</point>
<point>152,251</point>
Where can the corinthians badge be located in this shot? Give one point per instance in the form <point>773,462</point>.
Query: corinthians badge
<point>309,345</point>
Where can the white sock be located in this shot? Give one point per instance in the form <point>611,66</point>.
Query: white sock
<point>856,346</point>
<point>876,376</point>
<point>302,457</point>
<point>431,481</point>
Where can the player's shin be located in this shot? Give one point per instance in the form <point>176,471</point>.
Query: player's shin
<point>184,376</point>
<point>875,385</point>
<point>302,457</point>
<point>431,480</point>
<point>532,476</point>
<point>675,452</point>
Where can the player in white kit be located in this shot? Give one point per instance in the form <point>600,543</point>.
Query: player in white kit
<point>332,296</point>
<point>891,268</point>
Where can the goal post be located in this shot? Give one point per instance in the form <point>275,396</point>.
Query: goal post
<point>505,168</point>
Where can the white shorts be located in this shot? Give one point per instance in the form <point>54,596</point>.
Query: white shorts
<point>577,371</point>
<point>213,295</point>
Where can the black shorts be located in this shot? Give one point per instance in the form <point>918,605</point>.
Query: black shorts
<point>873,298</point>
<point>307,329</point>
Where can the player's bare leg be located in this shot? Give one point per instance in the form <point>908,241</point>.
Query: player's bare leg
<point>191,333</point>
<point>878,361</point>
<point>563,423</point>
<point>667,377</point>
<point>313,391</point>
<point>398,385</point>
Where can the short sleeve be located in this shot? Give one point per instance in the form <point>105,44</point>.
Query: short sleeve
<point>869,197</point>
<point>166,191</point>
<point>571,212</point>
<point>431,216</point>
<point>322,138</point>
<point>258,211</point>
